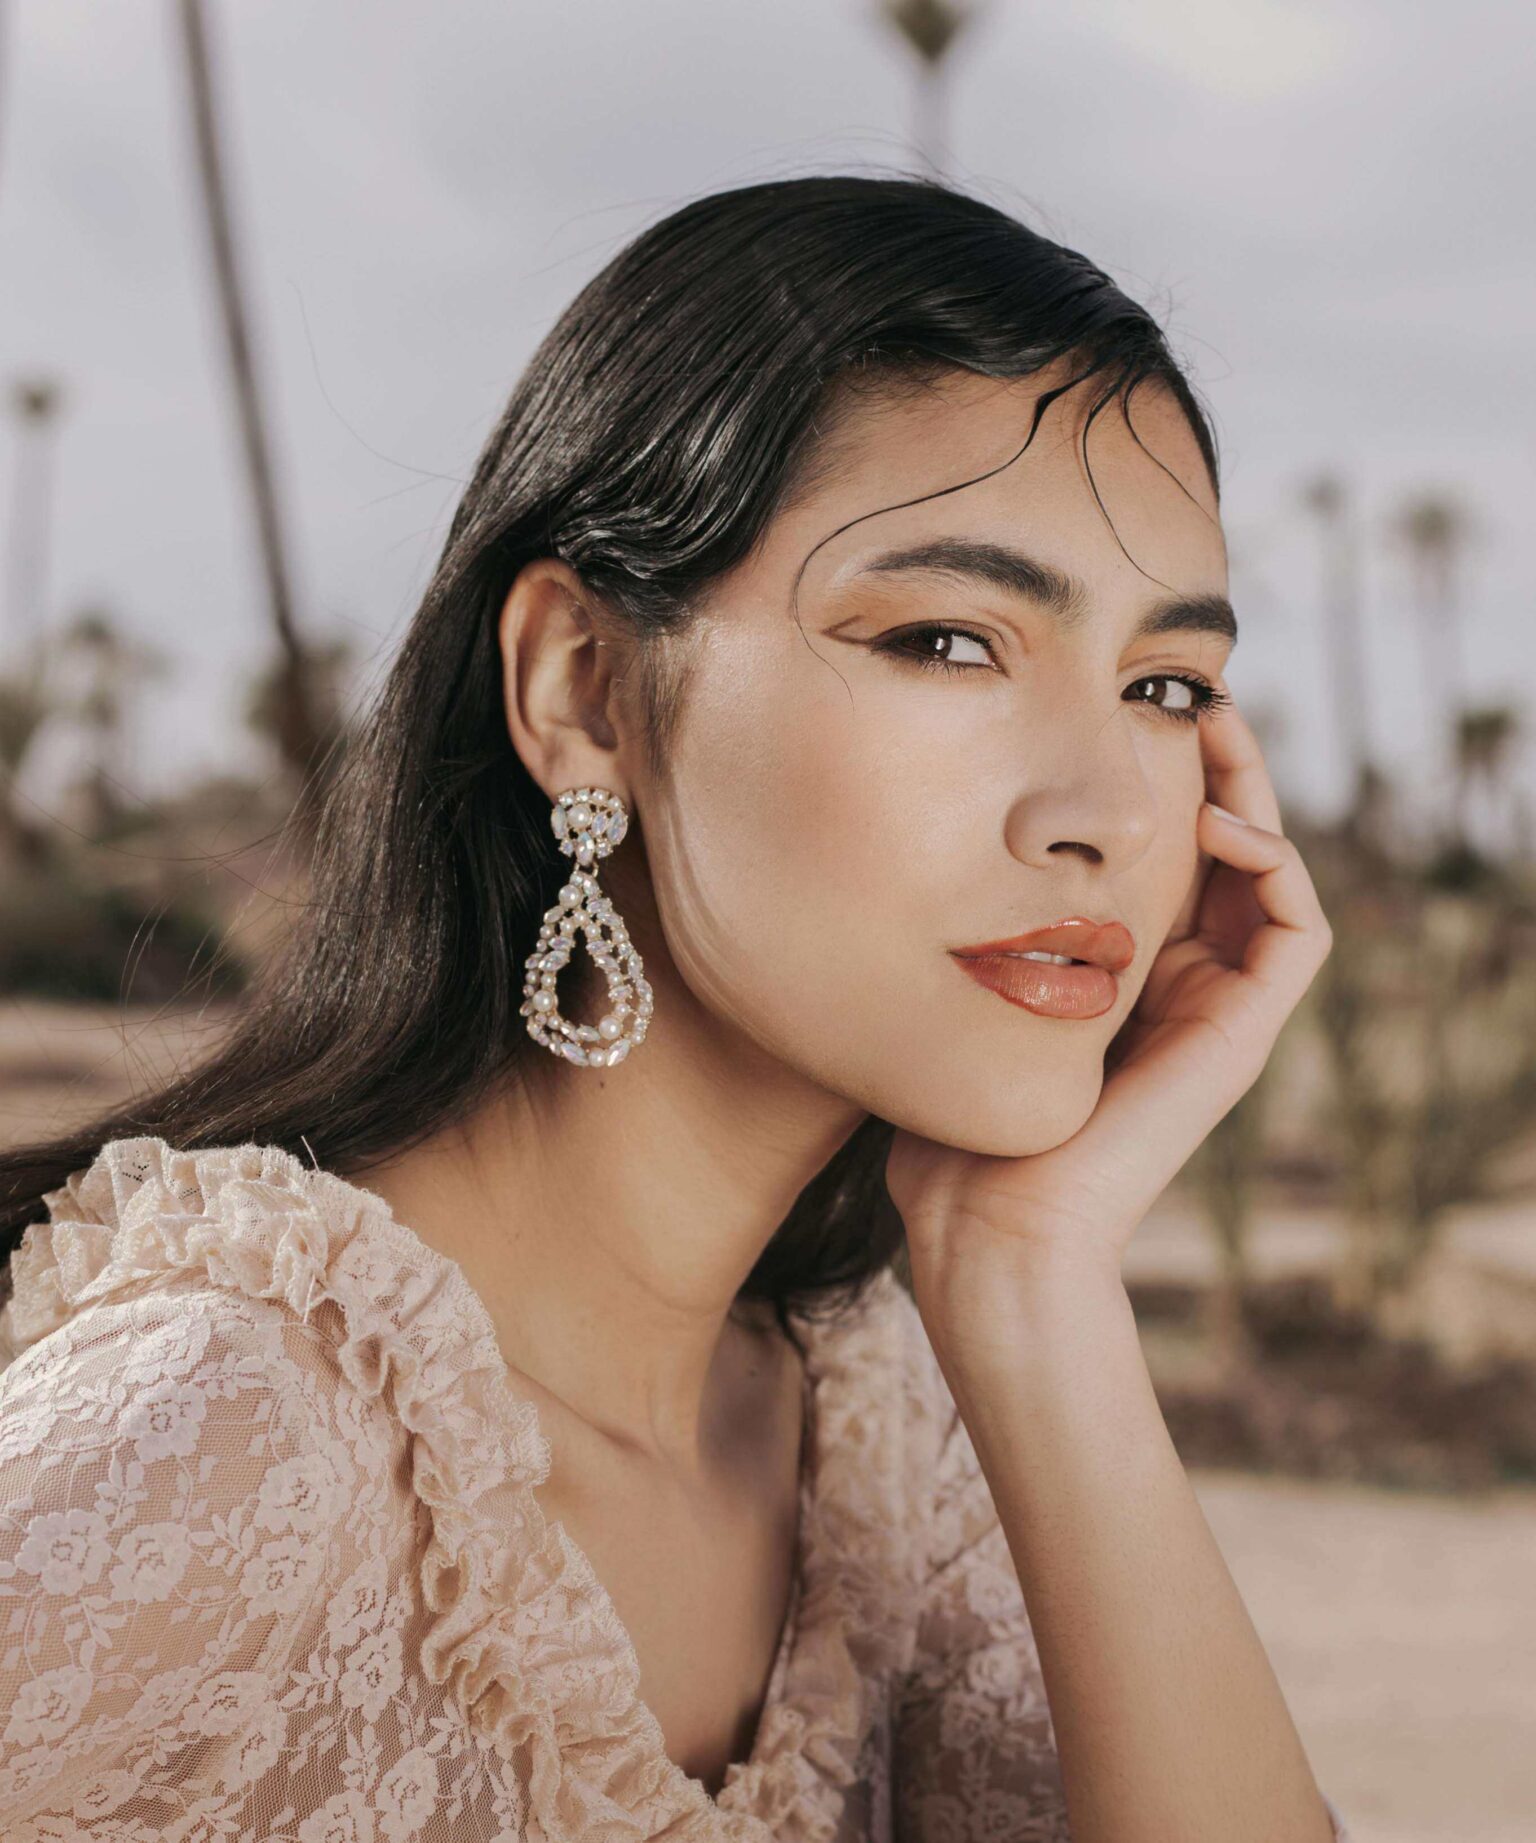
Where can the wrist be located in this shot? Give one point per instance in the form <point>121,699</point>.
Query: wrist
<point>1019,1309</point>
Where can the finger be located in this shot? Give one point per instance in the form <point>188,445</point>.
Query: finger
<point>1161,1105</point>
<point>1236,775</point>
<point>1154,1111</point>
<point>1284,952</point>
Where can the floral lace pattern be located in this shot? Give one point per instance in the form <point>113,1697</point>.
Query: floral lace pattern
<point>273,1563</point>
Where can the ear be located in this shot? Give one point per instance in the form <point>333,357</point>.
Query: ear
<point>558,681</point>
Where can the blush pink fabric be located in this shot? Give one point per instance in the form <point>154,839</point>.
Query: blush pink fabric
<point>273,1563</point>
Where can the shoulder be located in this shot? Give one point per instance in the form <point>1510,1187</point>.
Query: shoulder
<point>193,1290</point>
<point>276,1287</point>
<point>245,1416</point>
<point>184,1499</point>
<point>182,1442</point>
<point>249,1218</point>
<point>182,1371</point>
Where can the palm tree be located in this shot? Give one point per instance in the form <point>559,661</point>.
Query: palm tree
<point>1328,499</point>
<point>1435,529</point>
<point>22,709</point>
<point>36,403</point>
<point>23,704</point>
<point>298,726</point>
<point>3,71</point>
<point>1485,750</point>
<point>930,28</point>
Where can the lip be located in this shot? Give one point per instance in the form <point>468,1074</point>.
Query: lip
<point>1109,944</point>
<point>1086,991</point>
<point>1036,985</point>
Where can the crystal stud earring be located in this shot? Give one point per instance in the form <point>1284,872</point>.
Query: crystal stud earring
<point>588,822</point>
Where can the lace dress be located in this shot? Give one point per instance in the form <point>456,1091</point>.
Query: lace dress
<point>273,1563</point>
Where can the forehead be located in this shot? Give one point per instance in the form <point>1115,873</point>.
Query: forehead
<point>954,457</point>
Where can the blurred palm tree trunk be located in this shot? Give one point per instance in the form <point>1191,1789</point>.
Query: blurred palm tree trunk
<point>24,637</point>
<point>1327,497</point>
<point>1486,738</point>
<point>930,28</point>
<point>36,403</point>
<point>1435,530</point>
<point>298,730</point>
<point>4,71</point>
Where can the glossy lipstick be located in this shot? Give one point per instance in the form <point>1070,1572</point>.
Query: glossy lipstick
<point>1085,990</point>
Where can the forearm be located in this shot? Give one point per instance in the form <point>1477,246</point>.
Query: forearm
<point>1169,1721</point>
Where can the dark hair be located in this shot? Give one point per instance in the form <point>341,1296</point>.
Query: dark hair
<point>682,399</point>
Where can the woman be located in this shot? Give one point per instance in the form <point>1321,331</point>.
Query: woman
<point>478,1403</point>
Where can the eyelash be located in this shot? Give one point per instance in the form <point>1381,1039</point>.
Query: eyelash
<point>1210,699</point>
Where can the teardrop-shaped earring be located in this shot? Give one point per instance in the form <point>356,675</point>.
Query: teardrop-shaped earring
<point>588,822</point>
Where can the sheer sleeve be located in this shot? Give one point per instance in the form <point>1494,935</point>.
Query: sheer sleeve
<point>165,1529</point>
<point>974,1752</point>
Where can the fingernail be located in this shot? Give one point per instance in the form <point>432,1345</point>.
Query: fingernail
<point>1225,814</point>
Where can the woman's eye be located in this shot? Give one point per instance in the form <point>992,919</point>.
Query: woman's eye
<point>937,644</point>
<point>1200,698</point>
<point>916,645</point>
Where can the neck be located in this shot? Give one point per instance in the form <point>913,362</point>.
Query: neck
<point>609,1218</point>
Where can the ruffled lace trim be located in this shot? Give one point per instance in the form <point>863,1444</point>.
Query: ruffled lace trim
<point>256,1220</point>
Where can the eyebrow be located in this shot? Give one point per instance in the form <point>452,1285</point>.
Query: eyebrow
<point>1052,589</point>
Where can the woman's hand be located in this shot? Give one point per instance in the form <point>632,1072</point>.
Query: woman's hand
<point>1246,946</point>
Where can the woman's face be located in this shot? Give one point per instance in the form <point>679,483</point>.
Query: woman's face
<point>837,816</point>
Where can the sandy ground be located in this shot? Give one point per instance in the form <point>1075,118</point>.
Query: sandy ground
<point>1403,1631</point>
<point>1402,1628</point>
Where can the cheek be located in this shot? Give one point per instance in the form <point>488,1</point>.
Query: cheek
<point>799,826</point>
<point>822,838</point>
<point>1180,872</point>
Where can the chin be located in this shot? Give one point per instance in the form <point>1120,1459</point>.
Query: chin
<point>1014,1122</point>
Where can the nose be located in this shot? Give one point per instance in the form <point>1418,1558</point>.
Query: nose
<point>1092,800</point>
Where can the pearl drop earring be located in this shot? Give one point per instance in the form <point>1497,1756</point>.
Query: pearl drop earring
<point>588,822</point>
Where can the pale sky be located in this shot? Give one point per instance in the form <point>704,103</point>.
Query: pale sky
<point>1328,206</point>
